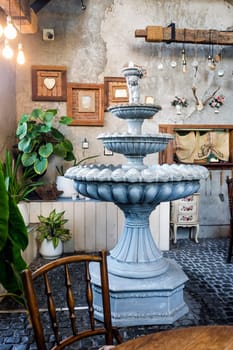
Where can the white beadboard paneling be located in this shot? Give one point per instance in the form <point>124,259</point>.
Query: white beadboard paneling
<point>101,226</point>
<point>34,211</point>
<point>69,215</point>
<point>90,225</point>
<point>96,225</point>
<point>79,225</point>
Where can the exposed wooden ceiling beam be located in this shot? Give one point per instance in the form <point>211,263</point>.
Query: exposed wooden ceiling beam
<point>193,36</point>
<point>29,22</point>
<point>37,5</point>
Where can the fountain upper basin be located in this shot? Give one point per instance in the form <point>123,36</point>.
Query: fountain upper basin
<point>140,145</point>
<point>134,110</point>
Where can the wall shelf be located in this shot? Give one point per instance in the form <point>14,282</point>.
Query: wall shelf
<point>184,35</point>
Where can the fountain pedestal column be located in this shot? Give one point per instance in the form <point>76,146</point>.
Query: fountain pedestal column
<point>145,288</point>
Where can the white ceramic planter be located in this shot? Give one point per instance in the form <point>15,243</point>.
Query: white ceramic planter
<point>47,250</point>
<point>66,185</point>
<point>23,208</point>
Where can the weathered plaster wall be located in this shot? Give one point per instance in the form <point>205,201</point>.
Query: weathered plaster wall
<point>7,105</point>
<point>97,42</point>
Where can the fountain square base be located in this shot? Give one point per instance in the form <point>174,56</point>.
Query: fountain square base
<point>143,301</point>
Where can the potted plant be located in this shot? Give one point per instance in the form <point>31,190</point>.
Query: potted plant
<point>52,234</point>
<point>13,240</point>
<point>19,182</point>
<point>39,138</point>
<point>66,185</point>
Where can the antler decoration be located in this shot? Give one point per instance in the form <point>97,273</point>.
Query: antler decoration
<point>199,103</point>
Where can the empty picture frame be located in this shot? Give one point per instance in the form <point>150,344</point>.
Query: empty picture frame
<point>49,83</point>
<point>115,91</point>
<point>85,104</point>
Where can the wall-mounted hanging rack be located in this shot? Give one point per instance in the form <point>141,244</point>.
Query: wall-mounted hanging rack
<point>194,36</point>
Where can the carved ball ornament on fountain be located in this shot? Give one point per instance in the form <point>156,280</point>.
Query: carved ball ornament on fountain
<point>145,287</point>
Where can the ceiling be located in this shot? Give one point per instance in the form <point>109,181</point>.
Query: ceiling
<point>24,12</point>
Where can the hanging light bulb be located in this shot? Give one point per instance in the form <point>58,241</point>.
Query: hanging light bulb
<point>9,31</point>
<point>7,50</point>
<point>1,30</point>
<point>20,55</point>
<point>183,61</point>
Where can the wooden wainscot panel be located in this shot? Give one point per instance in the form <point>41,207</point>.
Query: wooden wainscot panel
<point>85,104</point>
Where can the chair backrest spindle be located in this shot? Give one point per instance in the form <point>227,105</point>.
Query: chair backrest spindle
<point>69,288</point>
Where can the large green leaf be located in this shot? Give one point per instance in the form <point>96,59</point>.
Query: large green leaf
<point>4,211</point>
<point>45,128</point>
<point>58,136</point>
<point>46,150</point>
<point>66,120</point>
<point>21,130</point>
<point>13,239</point>
<point>25,145</point>
<point>37,113</point>
<point>18,233</point>
<point>49,115</point>
<point>40,165</point>
<point>28,159</point>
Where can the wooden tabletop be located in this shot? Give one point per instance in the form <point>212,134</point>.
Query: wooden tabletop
<point>190,338</point>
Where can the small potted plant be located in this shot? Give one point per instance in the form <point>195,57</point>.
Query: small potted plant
<point>217,102</point>
<point>39,138</point>
<point>52,234</point>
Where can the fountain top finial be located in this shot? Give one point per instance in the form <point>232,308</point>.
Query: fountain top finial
<point>131,68</point>
<point>132,73</point>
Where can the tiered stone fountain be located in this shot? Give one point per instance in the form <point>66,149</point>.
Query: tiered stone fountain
<point>145,287</point>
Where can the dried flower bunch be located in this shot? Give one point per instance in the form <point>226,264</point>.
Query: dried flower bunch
<point>179,101</point>
<point>217,101</point>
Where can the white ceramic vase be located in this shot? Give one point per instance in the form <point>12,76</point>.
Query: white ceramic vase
<point>66,185</point>
<point>178,109</point>
<point>23,208</point>
<point>47,250</point>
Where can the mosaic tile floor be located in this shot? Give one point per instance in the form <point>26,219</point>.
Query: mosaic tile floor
<point>208,294</point>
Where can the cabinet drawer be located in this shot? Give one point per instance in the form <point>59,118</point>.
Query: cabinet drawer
<point>188,199</point>
<point>186,219</point>
<point>187,208</point>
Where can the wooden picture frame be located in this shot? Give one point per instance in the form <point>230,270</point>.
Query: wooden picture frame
<point>85,104</point>
<point>115,91</point>
<point>49,83</point>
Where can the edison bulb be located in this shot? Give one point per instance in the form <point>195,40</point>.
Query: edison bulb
<point>1,30</point>
<point>9,31</point>
<point>7,51</point>
<point>20,55</point>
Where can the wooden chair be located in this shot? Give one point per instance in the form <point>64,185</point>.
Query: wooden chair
<point>229,182</point>
<point>65,275</point>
